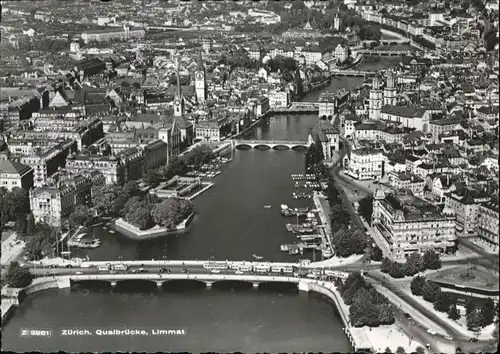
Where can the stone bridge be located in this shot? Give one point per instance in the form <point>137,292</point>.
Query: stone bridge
<point>395,41</point>
<point>354,73</point>
<point>271,144</point>
<point>385,53</point>
<point>207,279</point>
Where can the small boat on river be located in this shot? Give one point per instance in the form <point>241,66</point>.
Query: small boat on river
<point>257,257</point>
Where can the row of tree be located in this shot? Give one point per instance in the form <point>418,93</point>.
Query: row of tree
<point>148,211</point>
<point>180,165</point>
<point>414,264</point>
<point>367,306</point>
<point>479,314</point>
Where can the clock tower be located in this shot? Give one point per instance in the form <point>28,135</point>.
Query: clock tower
<point>179,99</point>
<point>200,81</point>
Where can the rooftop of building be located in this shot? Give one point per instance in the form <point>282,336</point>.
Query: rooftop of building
<point>413,208</point>
<point>12,167</point>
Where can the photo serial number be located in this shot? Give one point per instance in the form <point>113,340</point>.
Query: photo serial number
<point>123,332</point>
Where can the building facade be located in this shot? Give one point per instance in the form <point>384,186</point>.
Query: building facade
<point>409,224</point>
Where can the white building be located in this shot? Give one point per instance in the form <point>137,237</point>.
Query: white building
<point>341,53</point>
<point>364,164</point>
<point>409,224</point>
<point>279,99</point>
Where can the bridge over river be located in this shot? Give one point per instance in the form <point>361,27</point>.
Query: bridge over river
<point>271,144</point>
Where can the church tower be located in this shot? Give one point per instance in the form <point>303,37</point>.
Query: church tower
<point>200,82</point>
<point>179,99</point>
<point>375,100</point>
<point>390,89</point>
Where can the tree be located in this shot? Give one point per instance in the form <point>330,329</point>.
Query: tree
<point>349,241</point>
<point>431,260</point>
<point>153,177</point>
<point>80,216</point>
<point>443,302</point>
<point>474,320</point>
<point>131,188</point>
<point>397,270</point>
<point>414,264</point>
<point>431,291</point>
<point>30,224</point>
<point>453,312</point>
<point>21,224</point>
<point>388,350</point>
<point>365,208</point>
<point>487,310</point>
<point>103,198</point>
<point>377,254</point>
<point>400,350</point>
<point>171,212</point>
<point>386,265</point>
<point>470,306</point>
<point>139,217</point>
<point>386,316</point>
<point>363,313</point>
<point>17,276</point>
<point>419,350</point>
<point>417,285</point>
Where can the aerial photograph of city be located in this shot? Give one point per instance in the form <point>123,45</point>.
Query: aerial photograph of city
<point>249,176</point>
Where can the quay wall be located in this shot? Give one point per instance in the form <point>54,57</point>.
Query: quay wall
<point>17,295</point>
<point>356,336</point>
<point>133,232</point>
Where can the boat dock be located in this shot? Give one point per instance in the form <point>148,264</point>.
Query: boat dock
<point>325,232</point>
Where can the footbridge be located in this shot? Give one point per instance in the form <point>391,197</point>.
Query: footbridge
<point>352,73</point>
<point>271,144</point>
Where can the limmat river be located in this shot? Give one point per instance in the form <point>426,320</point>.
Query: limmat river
<point>231,223</point>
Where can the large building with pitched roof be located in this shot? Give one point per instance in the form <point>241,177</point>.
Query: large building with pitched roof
<point>15,174</point>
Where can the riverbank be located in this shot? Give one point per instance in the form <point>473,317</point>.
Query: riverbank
<point>13,297</point>
<point>135,233</point>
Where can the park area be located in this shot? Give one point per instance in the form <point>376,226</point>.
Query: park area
<point>475,276</point>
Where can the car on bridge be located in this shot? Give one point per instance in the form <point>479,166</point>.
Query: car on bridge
<point>165,270</point>
<point>185,271</point>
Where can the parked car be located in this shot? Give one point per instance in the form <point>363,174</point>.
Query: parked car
<point>448,338</point>
<point>407,315</point>
<point>473,340</point>
<point>68,266</point>
<point>143,270</point>
<point>52,266</point>
<point>428,346</point>
<point>430,331</point>
<point>79,273</point>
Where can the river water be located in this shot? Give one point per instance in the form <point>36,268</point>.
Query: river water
<point>231,223</point>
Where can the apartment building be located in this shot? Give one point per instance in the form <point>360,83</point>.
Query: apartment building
<point>46,163</point>
<point>465,202</point>
<point>487,223</point>
<point>409,224</point>
<point>364,164</point>
<point>409,181</point>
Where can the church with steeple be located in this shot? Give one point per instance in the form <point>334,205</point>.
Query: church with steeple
<point>179,98</point>
<point>200,83</point>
